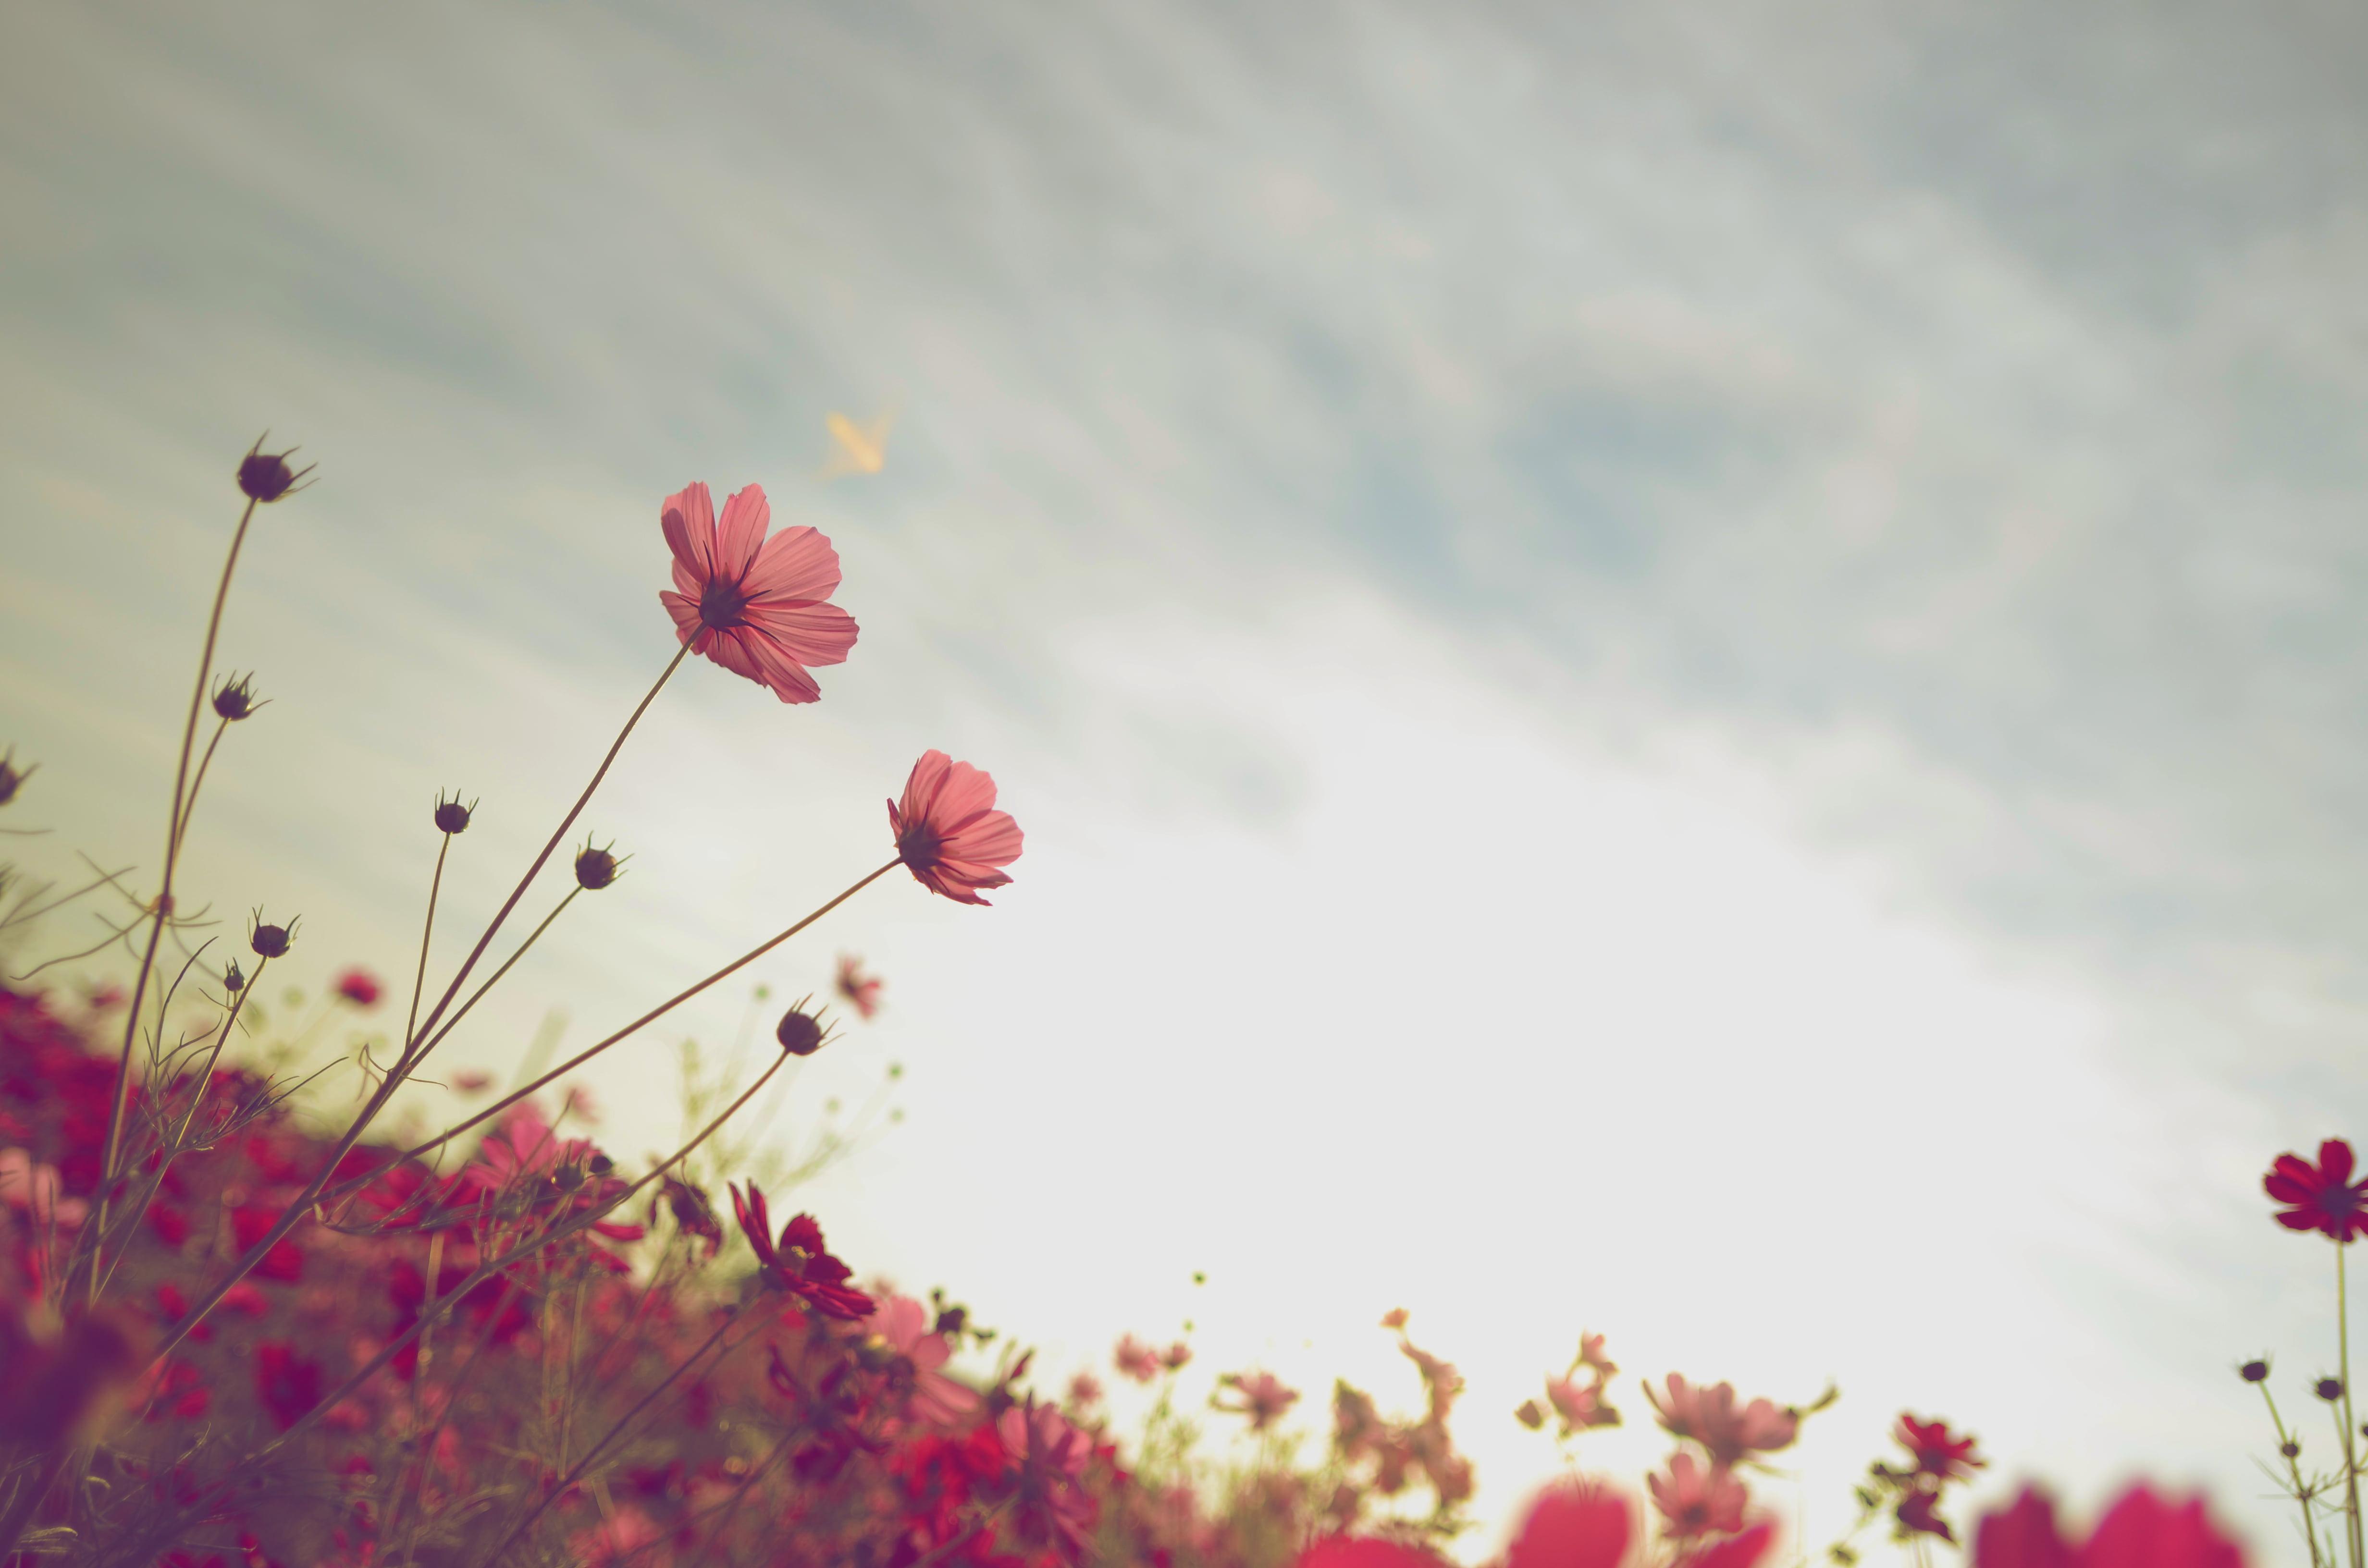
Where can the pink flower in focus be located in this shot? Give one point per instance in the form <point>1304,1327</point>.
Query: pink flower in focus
<point>757,606</point>
<point>361,987</point>
<point>1135,1360</point>
<point>1698,1500</point>
<point>1263,1397</point>
<point>2322,1197</point>
<point>902,1324</point>
<point>2141,1531</point>
<point>859,990</point>
<point>947,832</point>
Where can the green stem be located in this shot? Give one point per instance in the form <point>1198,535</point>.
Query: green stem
<point>2343,1371</point>
<point>419,977</point>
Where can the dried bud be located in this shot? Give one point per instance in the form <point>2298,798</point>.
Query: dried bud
<point>270,941</point>
<point>2330,1389</point>
<point>11,776</point>
<point>596,869</point>
<point>234,698</point>
<point>800,1035</point>
<point>452,816</point>
<point>1528,1415</point>
<point>2253,1371</point>
<point>231,979</point>
<point>2290,1449</point>
<point>264,476</point>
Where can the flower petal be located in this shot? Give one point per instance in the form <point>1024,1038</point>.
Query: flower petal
<point>796,564</point>
<point>807,633</point>
<point>688,519</point>
<point>737,542</point>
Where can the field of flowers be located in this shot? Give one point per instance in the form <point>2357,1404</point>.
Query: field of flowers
<point>233,1332</point>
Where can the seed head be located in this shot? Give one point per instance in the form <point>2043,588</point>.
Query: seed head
<point>452,816</point>
<point>11,775</point>
<point>264,476</point>
<point>2253,1371</point>
<point>271,941</point>
<point>231,980</point>
<point>2330,1389</point>
<point>596,869</point>
<point>799,1034</point>
<point>234,698</point>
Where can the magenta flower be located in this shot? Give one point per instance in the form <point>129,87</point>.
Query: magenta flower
<point>1698,1500</point>
<point>1135,1360</point>
<point>2320,1197</point>
<point>361,987</point>
<point>799,1263</point>
<point>860,991</point>
<point>758,606</point>
<point>948,831</point>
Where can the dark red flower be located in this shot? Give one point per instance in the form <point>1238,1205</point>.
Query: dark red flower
<point>2140,1530</point>
<point>2320,1197</point>
<point>1573,1524</point>
<point>287,1385</point>
<point>1920,1512</point>
<point>1938,1454</point>
<point>799,1263</point>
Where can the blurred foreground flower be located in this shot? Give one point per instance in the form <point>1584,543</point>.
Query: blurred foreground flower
<point>2320,1197</point>
<point>860,991</point>
<point>2141,1531</point>
<point>361,987</point>
<point>758,606</point>
<point>1264,1398</point>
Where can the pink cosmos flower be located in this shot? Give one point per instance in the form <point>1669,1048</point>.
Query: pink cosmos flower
<point>1940,1452</point>
<point>361,987</point>
<point>1135,1360</point>
<point>1084,1391</point>
<point>2320,1197</point>
<point>902,1325</point>
<point>947,832</point>
<point>1264,1397</point>
<point>1708,1416</point>
<point>1580,1405</point>
<point>1049,1502</point>
<point>757,606</point>
<point>1698,1500</point>
<point>2141,1531</point>
<point>798,1263</point>
<point>860,991</point>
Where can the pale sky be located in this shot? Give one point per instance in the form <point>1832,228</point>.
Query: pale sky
<point>1686,672</point>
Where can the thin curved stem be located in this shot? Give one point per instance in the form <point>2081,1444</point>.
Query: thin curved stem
<point>428,935</point>
<point>2350,1428</point>
<point>163,907</point>
<point>189,807</point>
<point>557,836</point>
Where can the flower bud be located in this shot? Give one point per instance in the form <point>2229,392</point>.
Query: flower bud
<point>2254,1371</point>
<point>231,980</point>
<point>2330,1389</point>
<point>2290,1449</point>
<point>596,869</point>
<point>270,941</point>
<point>11,776</point>
<point>452,816</point>
<point>234,698</point>
<point>264,476</point>
<point>800,1035</point>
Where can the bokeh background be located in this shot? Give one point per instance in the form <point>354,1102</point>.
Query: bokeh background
<point>1692,671</point>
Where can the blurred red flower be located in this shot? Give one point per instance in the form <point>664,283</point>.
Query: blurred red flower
<point>2140,1530</point>
<point>1135,1360</point>
<point>361,987</point>
<point>1708,1416</point>
<point>948,831</point>
<point>799,1263</point>
<point>2320,1197</point>
<point>1264,1397</point>
<point>1939,1452</point>
<point>287,1385</point>
<point>1698,1500</point>
<point>1573,1524</point>
<point>757,605</point>
<point>860,991</point>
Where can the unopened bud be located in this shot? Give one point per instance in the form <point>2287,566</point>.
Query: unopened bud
<point>271,941</point>
<point>11,776</point>
<point>452,816</point>
<point>2253,1371</point>
<point>2290,1449</point>
<point>231,979</point>
<point>2330,1389</point>
<point>800,1035</point>
<point>596,869</point>
<point>264,476</point>
<point>234,698</point>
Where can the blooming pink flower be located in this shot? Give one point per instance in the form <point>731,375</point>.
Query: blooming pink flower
<point>2321,1197</point>
<point>860,991</point>
<point>902,1325</point>
<point>361,987</point>
<point>2141,1531</point>
<point>1135,1359</point>
<point>1263,1397</point>
<point>757,606</point>
<point>1580,1405</point>
<point>1708,1416</point>
<point>1698,1500</point>
<point>947,832</point>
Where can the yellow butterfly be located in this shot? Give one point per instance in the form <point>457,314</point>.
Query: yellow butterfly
<point>856,448</point>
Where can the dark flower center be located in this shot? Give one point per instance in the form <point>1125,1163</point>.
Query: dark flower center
<point>916,845</point>
<point>2340,1202</point>
<point>721,603</point>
